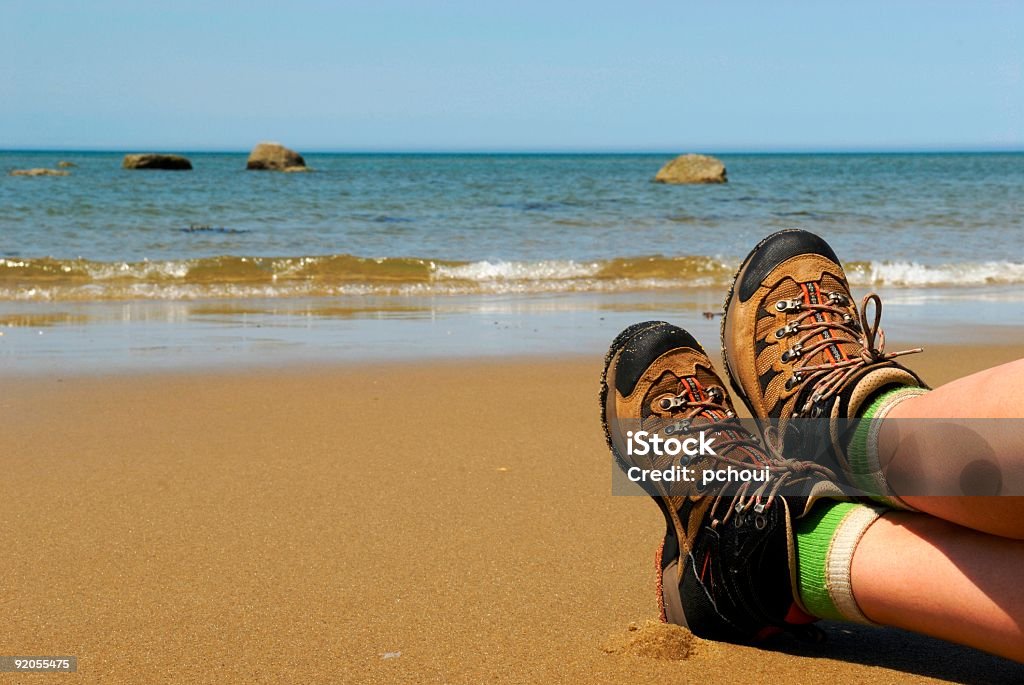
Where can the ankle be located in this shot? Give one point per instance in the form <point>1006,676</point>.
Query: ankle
<point>869,451</point>
<point>825,542</point>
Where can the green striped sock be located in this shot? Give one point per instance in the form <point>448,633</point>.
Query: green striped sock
<point>862,452</point>
<point>825,540</point>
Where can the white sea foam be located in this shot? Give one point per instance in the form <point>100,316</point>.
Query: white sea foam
<point>544,270</point>
<point>244,277</point>
<point>920,275</point>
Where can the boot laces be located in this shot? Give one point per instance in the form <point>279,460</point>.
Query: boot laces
<point>730,434</point>
<point>837,327</point>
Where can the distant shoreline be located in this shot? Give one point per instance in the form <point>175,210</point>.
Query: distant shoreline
<point>668,152</point>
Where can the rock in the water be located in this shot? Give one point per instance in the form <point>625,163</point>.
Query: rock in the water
<point>65,165</point>
<point>692,169</point>
<point>38,172</point>
<point>156,161</point>
<point>275,157</point>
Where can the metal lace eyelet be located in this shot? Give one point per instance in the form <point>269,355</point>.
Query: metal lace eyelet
<point>739,520</point>
<point>793,381</point>
<point>760,521</point>
<point>671,402</point>
<point>788,329</point>
<point>792,353</point>
<point>788,305</point>
<point>837,298</point>
<point>678,428</point>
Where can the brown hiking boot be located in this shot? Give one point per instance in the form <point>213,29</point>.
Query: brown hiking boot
<point>796,347</point>
<point>726,568</point>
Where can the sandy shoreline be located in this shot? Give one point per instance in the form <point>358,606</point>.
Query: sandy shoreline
<point>144,335</point>
<point>412,522</point>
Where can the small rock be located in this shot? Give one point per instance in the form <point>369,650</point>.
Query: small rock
<point>275,157</point>
<point>156,161</point>
<point>39,172</point>
<point>65,165</point>
<point>692,169</point>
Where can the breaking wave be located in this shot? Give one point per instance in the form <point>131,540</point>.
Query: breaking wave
<point>343,274</point>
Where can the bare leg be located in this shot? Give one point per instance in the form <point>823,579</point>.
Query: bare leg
<point>969,456</point>
<point>916,572</point>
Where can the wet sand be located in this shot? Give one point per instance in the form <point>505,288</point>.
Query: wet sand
<point>448,521</point>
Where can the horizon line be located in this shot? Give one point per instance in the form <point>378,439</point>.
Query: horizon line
<point>541,151</point>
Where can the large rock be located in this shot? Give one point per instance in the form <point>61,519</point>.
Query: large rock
<point>156,161</point>
<point>39,172</point>
<point>692,169</point>
<point>275,157</point>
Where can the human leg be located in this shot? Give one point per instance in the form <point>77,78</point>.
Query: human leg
<point>738,573</point>
<point>952,440</point>
<point>919,573</point>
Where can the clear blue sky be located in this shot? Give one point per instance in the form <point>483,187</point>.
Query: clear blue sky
<point>512,75</point>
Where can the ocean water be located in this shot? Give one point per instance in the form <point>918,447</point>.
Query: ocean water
<point>455,224</point>
<point>471,253</point>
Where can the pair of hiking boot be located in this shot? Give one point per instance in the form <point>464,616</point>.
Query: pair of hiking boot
<point>798,352</point>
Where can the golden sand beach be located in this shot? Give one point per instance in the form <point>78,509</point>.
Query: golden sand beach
<point>325,410</point>
<point>407,523</point>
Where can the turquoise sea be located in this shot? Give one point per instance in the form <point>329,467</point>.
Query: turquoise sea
<point>377,255</point>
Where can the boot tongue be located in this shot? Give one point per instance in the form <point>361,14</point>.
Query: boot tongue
<point>698,387</point>
<point>691,385</point>
<point>695,388</point>
<point>818,293</point>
